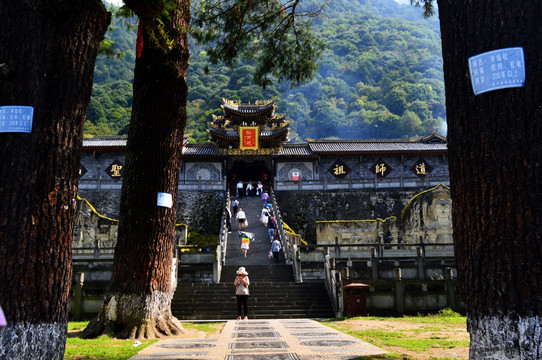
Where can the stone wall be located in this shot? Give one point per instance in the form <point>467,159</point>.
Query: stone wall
<point>301,210</point>
<point>369,216</point>
<point>200,210</point>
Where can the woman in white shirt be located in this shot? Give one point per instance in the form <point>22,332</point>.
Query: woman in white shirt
<point>241,219</point>
<point>241,284</point>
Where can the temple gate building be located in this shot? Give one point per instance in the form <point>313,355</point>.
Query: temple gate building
<point>249,143</point>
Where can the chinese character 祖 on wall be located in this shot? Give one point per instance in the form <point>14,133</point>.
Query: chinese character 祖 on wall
<point>339,169</point>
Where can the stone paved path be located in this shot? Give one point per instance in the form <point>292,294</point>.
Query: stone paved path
<point>284,339</point>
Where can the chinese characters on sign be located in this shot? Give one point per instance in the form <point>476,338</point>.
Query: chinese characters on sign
<point>497,69</point>
<point>16,119</point>
<point>115,170</point>
<point>339,169</point>
<point>249,137</point>
<point>421,168</point>
<point>381,169</point>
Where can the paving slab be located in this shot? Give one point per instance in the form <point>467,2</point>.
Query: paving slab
<point>283,339</point>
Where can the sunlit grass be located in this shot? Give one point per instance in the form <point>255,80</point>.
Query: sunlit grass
<point>102,348</point>
<point>417,339</point>
<point>108,348</point>
<point>208,327</point>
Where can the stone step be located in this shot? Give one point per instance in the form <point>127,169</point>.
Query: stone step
<point>257,273</point>
<point>267,300</point>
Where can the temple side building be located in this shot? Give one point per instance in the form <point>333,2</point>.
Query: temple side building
<point>249,143</point>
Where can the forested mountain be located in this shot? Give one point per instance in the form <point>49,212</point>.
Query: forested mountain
<point>381,77</point>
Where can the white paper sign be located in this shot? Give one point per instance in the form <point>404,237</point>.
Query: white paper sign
<point>165,200</point>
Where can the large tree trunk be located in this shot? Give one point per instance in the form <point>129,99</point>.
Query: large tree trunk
<point>494,146</point>
<point>138,303</point>
<point>47,55</point>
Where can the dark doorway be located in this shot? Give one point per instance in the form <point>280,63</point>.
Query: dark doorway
<point>249,171</point>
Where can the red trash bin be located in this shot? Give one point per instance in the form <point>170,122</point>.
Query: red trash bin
<point>355,296</point>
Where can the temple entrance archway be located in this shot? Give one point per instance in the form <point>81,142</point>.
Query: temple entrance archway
<point>249,169</point>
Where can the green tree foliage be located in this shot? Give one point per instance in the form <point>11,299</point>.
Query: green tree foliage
<point>382,67</point>
<point>111,103</point>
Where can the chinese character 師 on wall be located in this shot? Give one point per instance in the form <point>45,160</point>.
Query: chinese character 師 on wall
<point>381,169</point>
<point>249,137</point>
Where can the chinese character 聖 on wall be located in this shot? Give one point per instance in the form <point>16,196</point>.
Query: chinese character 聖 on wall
<point>115,170</point>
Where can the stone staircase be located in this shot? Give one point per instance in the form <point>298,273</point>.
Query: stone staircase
<point>274,299</point>
<point>274,294</point>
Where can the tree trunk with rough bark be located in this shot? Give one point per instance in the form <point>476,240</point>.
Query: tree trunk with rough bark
<point>47,55</point>
<point>138,303</point>
<point>494,147</point>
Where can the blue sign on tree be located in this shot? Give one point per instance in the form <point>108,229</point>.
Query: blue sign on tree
<point>16,119</point>
<point>497,69</point>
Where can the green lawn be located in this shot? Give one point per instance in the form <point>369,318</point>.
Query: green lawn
<point>410,337</point>
<point>108,348</point>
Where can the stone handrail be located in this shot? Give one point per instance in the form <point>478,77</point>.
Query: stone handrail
<point>391,250</point>
<point>289,248</point>
<point>104,183</point>
<point>222,245</point>
<point>333,283</point>
<point>368,183</point>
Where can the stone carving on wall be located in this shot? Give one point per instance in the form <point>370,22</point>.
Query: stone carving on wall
<point>203,171</point>
<point>92,231</point>
<point>426,218</point>
<point>352,232</point>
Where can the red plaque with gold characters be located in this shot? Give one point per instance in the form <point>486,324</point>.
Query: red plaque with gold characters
<point>249,137</point>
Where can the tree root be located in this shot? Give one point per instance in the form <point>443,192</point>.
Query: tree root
<point>147,329</point>
<point>121,318</point>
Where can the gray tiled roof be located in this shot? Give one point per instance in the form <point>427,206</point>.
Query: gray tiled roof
<point>301,150</point>
<point>104,142</point>
<point>381,146</point>
<point>201,150</point>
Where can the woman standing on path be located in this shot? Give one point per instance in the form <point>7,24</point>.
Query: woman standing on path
<point>241,284</point>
